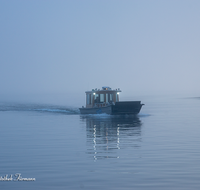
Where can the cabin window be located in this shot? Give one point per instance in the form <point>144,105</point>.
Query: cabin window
<point>96,98</point>
<point>116,97</point>
<point>106,97</point>
<point>101,97</point>
<point>111,97</point>
<point>89,99</point>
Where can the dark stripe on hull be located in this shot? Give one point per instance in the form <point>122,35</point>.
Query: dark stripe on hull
<point>107,110</point>
<point>128,107</point>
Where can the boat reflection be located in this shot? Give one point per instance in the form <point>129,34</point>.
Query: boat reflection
<point>108,136</point>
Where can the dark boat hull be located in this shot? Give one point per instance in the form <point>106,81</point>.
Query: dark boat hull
<point>120,108</point>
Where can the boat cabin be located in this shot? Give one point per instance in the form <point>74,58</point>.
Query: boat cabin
<point>102,98</point>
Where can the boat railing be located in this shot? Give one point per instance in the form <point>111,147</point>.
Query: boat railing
<point>104,104</point>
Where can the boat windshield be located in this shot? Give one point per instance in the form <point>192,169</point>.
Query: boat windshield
<point>101,98</point>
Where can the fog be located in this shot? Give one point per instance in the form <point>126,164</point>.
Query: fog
<point>53,51</point>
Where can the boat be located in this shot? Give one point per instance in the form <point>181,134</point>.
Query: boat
<point>106,100</point>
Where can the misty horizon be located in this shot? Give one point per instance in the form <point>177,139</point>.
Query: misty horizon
<point>58,48</point>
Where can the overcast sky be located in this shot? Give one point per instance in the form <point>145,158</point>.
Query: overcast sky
<point>144,47</point>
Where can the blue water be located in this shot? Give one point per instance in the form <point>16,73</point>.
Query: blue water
<point>158,149</point>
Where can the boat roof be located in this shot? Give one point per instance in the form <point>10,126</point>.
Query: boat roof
<point>104,88</point>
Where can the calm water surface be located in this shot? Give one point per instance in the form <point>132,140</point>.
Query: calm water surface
<point>158,149</point>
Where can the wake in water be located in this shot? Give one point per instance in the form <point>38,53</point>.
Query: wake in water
<point>38,108</point>
<point>143,115</point>
<point>55,109</point>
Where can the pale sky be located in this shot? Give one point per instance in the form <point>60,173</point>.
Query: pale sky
<point>144,47</point>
